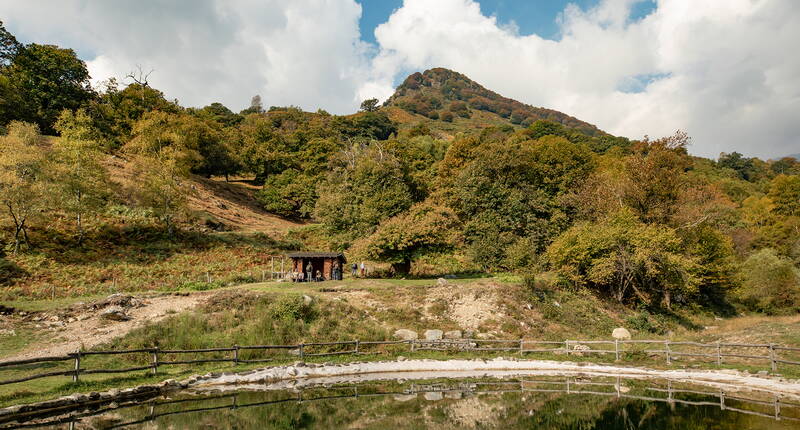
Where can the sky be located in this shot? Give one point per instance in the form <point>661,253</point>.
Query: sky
<point>722,70</point>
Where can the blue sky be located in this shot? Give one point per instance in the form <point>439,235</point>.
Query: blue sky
<point>538,17</point>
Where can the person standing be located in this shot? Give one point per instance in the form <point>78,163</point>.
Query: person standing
<point>354,270</point>
<point>363,270</point>
<point>309,272</point>
<point>336,271</point>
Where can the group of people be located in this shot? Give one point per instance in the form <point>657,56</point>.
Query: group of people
<point>310,275</point>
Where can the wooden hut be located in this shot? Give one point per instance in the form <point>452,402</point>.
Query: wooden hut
<point>322,261</point>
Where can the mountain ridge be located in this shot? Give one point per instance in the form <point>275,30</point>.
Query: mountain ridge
<point>446,95</point>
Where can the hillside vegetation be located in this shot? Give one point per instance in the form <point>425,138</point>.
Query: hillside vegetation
<point>446,177</point>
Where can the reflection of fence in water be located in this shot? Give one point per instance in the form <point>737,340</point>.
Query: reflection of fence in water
<point>670,394</point>
<point>236,354</point>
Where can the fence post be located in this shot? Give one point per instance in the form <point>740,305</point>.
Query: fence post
<point>566,347</point>
<point>616,349</point>
<point>777,408</point>
<point>235,354</point>
<point>719,354</point>
<point>772,357</point>
<point>154,360</point>
<point>413,344</point>
<point>75,377</point>
<point>302,353</point>
<point>666,348</point>
<point>520,346</point>
<point>358,342</point>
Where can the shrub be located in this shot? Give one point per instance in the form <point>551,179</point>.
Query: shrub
<point>770,283</point>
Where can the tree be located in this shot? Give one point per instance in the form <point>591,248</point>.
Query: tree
<point>369,105</point>
<point>620,255</point>
<point>48,80</point>
<point>784,191</point>
<point>78,177</point>
<point>9,46</point>
<point>770,283</point>
<point>739,163</point>
<point>22,184</point>
<point>255,106</point>
<point>424,229</point>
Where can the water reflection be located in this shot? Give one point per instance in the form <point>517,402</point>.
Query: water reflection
<point>550,402</point>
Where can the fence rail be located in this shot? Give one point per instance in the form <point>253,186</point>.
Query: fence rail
<point>358,347</point>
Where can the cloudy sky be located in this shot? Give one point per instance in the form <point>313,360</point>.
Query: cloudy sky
<point>726,71</point>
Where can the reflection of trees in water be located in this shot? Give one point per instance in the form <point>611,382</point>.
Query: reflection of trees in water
<point>571,403</point>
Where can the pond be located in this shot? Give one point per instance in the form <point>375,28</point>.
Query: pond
<point>513,402</point>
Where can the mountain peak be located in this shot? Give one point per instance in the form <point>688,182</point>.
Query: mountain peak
<point>445,94</point>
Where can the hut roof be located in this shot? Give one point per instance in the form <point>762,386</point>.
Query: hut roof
<point>315,255</point>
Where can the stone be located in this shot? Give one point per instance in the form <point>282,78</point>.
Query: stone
<point>433,334</point>
<point>405,334</point>
<point>307,300</point>
<point>453,334</point>
<point>762,373</point>
<point>579,349</point>
<point>469,334</point>
<point>7,332</point>
<point>456,395</point>
<point>401,358</point>
<point>441,282</point>
<point>405,397</point>
<point>621,333</point>
<point>433,396</point>
<point>115,313</point>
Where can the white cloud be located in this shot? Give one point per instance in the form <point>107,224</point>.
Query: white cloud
<point>723,70</point>
<point>300,52</point>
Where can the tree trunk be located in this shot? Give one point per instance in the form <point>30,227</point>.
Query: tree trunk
<point>401,268</point>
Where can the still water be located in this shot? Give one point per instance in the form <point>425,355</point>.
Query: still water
<point>540,402</point>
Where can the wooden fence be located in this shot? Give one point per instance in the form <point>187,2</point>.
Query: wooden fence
<point>669,349</point>
<point>766,405</point>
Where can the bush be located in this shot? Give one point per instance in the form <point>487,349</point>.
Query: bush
<point>770,283</point>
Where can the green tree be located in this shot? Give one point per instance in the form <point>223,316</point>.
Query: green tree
<point>424,229</point>
<point>365,187</point>
<point>770,283</point>
<point>784,191</point>
<point>79,179</point>
<point>621,255</point>
<point>23,189</point>
<point>9,46</point>
<point>369,105</point>
<point>48,79</point>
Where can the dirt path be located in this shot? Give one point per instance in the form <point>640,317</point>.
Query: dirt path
<point>86,329</point>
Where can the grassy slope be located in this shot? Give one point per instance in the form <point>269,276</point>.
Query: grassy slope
<point>275,313</point>
<point>126,250</point>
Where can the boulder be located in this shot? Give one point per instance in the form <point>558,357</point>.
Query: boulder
<point>115,313</point>
<point>433,334</point>
<point>405,334</point>
<point>621,333</point>
<point>307,300</point>
<point>433,396</point>
<point>453,334</point>
<point>579,349</point>
<point>441,282</point>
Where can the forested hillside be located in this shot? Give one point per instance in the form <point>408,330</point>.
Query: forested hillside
<point>445,177</point>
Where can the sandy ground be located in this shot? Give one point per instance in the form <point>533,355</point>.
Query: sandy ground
<point>299,375</point>
<point>93,330</point>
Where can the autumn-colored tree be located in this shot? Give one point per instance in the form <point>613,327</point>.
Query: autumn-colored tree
<point>23,188</point>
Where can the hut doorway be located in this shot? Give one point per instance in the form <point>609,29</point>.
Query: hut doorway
<point>326,263</point>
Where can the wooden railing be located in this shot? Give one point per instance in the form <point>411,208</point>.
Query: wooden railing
<point>670,350</point>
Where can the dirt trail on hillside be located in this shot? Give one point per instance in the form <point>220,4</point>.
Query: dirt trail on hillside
<point>89,329</point>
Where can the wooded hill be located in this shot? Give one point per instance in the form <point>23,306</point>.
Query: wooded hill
<point>446,177</point>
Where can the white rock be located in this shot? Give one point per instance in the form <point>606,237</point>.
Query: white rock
<point>621,333</point>
<point>441,282</point>
<point>454,334</point>
<point>405,334</point>
<point>433,334</point>
<point>434,396</point>
<point>115,313</point>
